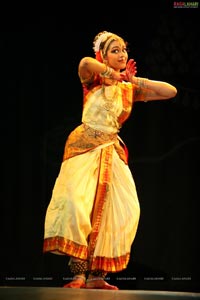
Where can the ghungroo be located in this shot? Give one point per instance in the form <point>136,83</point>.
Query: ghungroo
<point>98,273</point>
<point>78,267</point>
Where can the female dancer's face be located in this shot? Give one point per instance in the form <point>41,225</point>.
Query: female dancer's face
<point>116,56</point>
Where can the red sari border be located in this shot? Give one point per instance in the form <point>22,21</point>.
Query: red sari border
<point>101,195</point>
<point>62,246</point>
<point>115,264</point>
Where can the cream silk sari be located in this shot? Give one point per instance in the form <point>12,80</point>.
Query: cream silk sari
<point>94,210</point>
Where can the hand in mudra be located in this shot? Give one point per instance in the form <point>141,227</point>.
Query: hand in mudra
<point>131,70</point>
<point>127,74</point>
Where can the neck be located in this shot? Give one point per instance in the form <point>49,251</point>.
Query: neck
<point>108,81</point>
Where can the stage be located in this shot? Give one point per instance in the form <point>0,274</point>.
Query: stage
<point>54,293</point>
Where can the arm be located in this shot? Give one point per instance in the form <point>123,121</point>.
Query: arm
<point>89,66</point>
<point>154,90</point>
<point>149,89</point>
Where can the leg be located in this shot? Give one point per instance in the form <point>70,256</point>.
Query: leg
<point>96,281</point>
<point>78,267</point>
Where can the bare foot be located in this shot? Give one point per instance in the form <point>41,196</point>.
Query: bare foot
<point>76,283</point>
<point>97,283</point>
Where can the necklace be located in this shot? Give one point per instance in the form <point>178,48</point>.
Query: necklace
<point>110,93</point>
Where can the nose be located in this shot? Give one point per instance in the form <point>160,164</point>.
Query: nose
<point>122,56</point>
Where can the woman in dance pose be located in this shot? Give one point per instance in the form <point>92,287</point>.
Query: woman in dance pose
<point>94,211</point>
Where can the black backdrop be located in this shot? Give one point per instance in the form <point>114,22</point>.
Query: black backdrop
<point>41,103</point>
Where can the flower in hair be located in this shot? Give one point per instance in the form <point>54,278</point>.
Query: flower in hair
<point>98,56</point>
<point>102,37</point>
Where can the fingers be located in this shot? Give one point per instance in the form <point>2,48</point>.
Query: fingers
<point>135,71</point>
<point>131,66</point>
<point>130,63</point>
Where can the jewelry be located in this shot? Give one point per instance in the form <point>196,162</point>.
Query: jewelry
<point>104,38</point>
<point>77,277</point>
<point>78,267</point>
<point>109,94</point>
<point>98,274</point>
<point>107,73</point>
<point>142,82</point>
<point>100,38</point>
<point>99,135</point>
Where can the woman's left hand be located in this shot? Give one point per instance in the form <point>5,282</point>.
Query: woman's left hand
<point>130,71</point>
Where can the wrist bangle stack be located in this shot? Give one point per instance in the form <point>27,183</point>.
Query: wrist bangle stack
<point>107,73</point>
<point>142,82</point>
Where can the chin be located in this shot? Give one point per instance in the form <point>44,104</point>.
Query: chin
<point>123,65</point>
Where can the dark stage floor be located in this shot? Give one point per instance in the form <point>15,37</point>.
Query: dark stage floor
<point>53,293</point>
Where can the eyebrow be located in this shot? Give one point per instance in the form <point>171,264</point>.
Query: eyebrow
<point>118,47</point>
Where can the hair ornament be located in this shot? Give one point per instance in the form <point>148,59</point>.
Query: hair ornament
<point>98,56</point>
<point>100,38</point>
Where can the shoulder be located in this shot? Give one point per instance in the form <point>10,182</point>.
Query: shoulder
<point>125,85</point>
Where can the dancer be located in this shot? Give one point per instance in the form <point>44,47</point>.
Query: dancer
<point>94,210</point>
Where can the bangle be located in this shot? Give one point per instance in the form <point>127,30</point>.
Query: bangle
<point>142,82</point>
<point>107,73</point>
